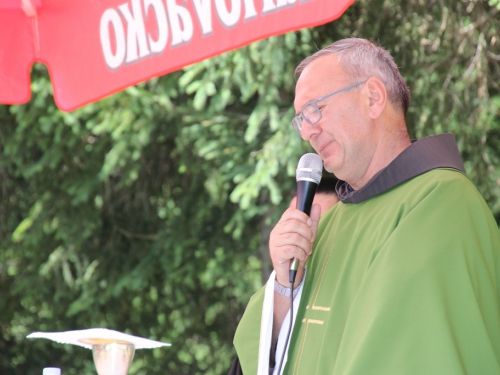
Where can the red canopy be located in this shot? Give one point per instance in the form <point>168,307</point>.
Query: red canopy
<point>93,48</point>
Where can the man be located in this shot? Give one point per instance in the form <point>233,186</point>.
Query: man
<point>403,277</point>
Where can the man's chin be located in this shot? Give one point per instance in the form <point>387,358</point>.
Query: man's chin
<point>329,167</point>
<point>333,168</point>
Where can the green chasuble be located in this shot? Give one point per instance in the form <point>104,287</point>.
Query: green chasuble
<point>405,282</point>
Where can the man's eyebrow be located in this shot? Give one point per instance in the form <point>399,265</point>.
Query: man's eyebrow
<point>301,108</point>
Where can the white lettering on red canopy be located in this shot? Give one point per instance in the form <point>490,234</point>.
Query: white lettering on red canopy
<point>138,29</point>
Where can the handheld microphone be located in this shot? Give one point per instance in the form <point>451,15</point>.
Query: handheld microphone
<point>308,176</point>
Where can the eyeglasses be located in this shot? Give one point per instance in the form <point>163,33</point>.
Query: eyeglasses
<point>311,113</point>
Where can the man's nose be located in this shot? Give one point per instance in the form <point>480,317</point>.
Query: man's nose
<point>308,131</point>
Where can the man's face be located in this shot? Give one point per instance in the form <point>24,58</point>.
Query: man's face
<point>342,138</point>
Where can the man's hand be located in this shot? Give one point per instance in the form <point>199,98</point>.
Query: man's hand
<point>293,237</point>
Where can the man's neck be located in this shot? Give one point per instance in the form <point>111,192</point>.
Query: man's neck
<point>387,150</point>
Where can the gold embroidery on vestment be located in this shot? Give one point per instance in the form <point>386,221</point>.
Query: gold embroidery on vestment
<point>314,295</point>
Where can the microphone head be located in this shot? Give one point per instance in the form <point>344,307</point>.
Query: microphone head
<point>310,168</point>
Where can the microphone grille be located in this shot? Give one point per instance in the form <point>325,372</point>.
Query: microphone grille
<point>310,168</point>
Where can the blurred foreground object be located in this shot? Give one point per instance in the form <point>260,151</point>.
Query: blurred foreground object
<point>112,351</point>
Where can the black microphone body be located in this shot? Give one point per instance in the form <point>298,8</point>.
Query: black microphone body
<point>305,195</point>
<point>308,178</point>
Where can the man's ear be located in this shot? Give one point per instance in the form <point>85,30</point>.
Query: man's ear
<point>377,95</point>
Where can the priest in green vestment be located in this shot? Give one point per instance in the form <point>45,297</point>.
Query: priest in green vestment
<point>402,275</point>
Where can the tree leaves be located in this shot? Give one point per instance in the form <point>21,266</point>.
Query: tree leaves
<point>144,212</point>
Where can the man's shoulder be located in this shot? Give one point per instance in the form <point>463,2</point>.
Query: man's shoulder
<point>445,181</point>
<point>444,174</point>
<point>448,197</point>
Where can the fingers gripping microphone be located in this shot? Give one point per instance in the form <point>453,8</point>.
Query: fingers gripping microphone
<point>308,176</point>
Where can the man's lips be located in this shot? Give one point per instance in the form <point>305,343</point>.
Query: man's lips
<point>323,146</point>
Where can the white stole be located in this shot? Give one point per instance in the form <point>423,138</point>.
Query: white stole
<point>266,329</point>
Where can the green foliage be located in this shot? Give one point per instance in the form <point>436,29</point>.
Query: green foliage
<point>144,212</point>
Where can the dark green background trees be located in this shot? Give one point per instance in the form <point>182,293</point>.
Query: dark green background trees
<point>148,212</point>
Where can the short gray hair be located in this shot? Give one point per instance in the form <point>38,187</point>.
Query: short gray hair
<point>362,59</point>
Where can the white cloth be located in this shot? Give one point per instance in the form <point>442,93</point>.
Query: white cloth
<point>81,337</point>
<point>266,328</point>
